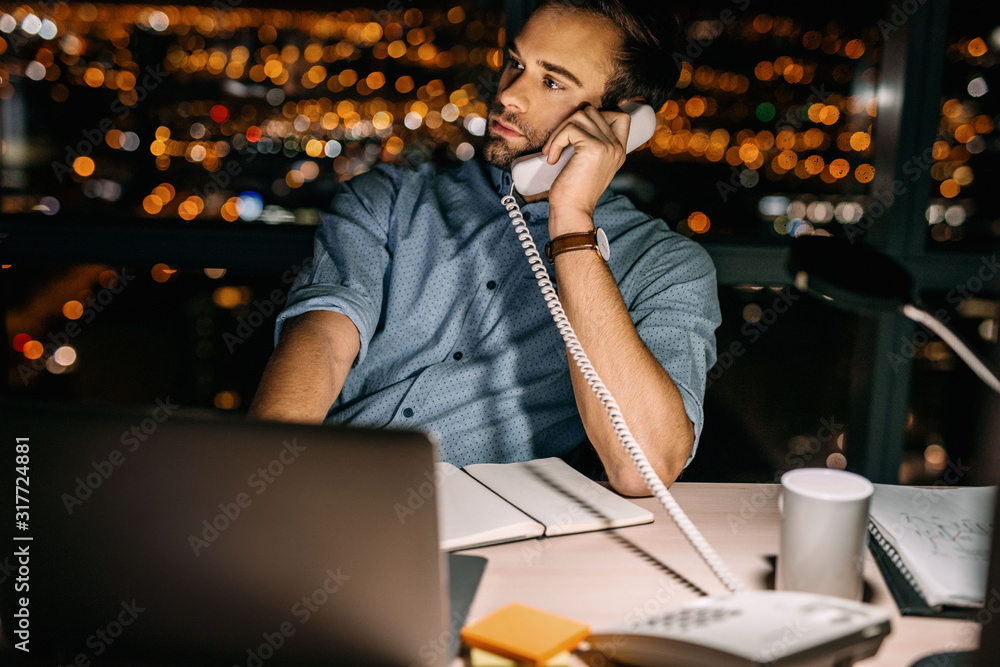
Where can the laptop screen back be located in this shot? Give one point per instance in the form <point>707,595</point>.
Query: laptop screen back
<point>152,536</point>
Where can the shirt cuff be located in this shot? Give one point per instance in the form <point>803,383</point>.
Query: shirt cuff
<point>335,299</point>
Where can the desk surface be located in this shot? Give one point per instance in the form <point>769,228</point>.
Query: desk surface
<point>610,578</point>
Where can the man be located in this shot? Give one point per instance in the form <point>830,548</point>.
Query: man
<point>420,310</point>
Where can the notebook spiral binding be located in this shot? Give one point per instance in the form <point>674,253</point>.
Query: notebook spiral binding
<point>897,560</point>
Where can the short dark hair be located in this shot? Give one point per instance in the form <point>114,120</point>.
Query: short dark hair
<point>650,31</point>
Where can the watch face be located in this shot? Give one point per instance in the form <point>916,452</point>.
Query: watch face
<point>602,244</point>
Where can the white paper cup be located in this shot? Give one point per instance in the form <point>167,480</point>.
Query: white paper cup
<point>824,516</point>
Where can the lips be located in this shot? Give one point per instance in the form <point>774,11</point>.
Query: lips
<point>506,130</point>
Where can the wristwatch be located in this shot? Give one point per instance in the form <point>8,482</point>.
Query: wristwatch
<point>595,239</point>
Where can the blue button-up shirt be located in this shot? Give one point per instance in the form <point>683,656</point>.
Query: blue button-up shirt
<point>456,339</point>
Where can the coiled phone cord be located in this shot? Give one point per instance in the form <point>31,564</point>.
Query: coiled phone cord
<point>642,464</point>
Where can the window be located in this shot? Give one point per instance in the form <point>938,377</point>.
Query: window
<point>163,166</point>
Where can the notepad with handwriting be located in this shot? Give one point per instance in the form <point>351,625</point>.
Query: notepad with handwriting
<point>937,539</point>
<point>488,503</point>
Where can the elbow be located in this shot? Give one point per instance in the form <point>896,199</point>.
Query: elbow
<point>669,464</point>
<point>264,410</point>
<point>631,483</point>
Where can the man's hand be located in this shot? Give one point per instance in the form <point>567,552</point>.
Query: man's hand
<point>598,139</point>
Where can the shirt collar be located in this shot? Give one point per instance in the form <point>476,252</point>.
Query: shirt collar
<point>501,179</point>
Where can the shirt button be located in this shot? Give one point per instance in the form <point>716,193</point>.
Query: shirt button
<point>408,412</point>
<point>491,284</point>
<point>457,356</point>
<point>527,216</point>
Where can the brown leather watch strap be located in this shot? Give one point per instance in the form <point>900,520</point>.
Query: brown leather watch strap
<point>569,242</point>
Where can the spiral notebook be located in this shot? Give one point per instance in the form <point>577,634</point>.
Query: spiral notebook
<point>489,503</point>
<point>933,546</point>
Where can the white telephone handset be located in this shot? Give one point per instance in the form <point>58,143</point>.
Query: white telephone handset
<point>533,174</point>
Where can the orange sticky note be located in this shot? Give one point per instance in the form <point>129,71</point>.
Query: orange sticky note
<point>480,658</point>
<point>524,633</point>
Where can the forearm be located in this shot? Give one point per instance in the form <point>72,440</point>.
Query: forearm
<point>308,368</point>
<point>647,396</point>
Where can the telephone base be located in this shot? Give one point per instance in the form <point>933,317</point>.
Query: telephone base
<point>752,628</point>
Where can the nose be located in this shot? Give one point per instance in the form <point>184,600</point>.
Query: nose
<point>513,96</point>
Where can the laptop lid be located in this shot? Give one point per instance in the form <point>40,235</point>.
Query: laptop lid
<point>157,537</point>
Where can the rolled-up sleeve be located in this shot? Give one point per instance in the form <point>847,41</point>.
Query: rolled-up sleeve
<point>351,256</point>
<point>676,311</point>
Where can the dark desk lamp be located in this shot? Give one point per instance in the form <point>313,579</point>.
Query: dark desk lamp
<point>858,278</point>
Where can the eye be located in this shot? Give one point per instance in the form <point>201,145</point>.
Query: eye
<point>552,85</point>
<point>514,63</point>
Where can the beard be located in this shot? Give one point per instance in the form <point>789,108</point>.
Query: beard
<point>500,151</point>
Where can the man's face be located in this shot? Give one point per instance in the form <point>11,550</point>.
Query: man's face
<point>558,63</point>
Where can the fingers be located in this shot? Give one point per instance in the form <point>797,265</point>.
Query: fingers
<point>618,124</point>
<point>588,124</point>
<point>614,124</point>
<point>583,119</point>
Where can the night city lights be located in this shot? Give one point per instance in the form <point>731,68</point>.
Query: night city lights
<point>235,118</point>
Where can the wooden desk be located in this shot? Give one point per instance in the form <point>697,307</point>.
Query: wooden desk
<point>610,578</point>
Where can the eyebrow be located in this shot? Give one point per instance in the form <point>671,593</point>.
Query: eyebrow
<point>551,67</point>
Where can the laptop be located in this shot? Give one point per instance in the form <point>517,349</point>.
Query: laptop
<point>167,536</point>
